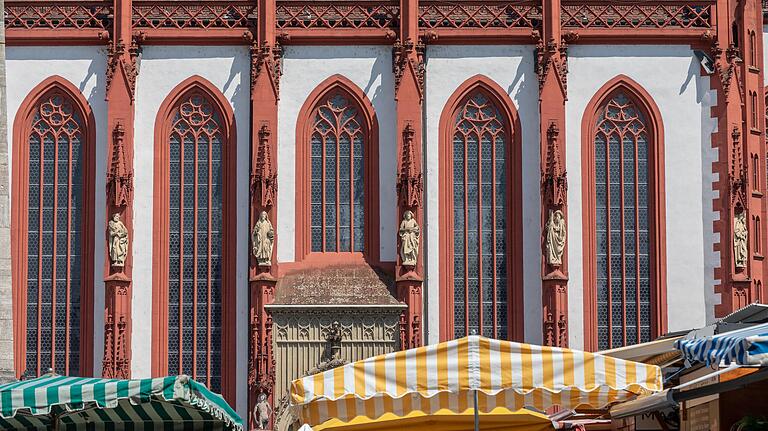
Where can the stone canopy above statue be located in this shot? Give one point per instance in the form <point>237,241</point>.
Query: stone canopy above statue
<point>336,285</point>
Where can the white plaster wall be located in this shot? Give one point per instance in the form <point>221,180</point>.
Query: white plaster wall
<point>304,68</point>
<point>162,69</point>
<point>512,68</point>
<point>671,75</point>
<point>84,67</point>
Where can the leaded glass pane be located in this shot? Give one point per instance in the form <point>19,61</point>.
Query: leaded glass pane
<point>621,185</point>
<point>54,236</point>
<point>337,177</point>
<point>195,241</point>
<point>479,214</point>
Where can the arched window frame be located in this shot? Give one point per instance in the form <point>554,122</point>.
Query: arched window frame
<point>515,306</point>
<point>752,49</point>
<point>19,219</point>
<point>161,231</point>
<point>304,130</point>
<point>758,236</point>
<point>656,202</point>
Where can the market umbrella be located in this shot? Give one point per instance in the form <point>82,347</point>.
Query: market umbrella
<point>80,403</point>
<point>458,374</point>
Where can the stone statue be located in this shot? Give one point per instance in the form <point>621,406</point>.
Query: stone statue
<point>409,239</point>
<point>555,242</point>
<point>262,239</point>
<point>740,235</point>
<point>262,411</point>
<point>118,241</point>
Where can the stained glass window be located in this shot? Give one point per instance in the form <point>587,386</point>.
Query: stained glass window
<point>195,240</point>
<point>621,145</point>
<point>54,235</point>
<point>337,145</point>
<point>480,139</point>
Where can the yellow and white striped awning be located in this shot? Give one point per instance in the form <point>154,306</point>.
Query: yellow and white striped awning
<point>445,376</point>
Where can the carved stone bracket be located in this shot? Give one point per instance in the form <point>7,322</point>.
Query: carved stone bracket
<point>263,177</point>
<point>120,175</point>
<point>727,71</point>
<point>409,180</point>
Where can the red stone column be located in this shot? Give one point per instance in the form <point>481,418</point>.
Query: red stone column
<point>552,70</point>
<point>408,68</point>
<point>266,63</point>
<point>738,79</point>
<point>120,90</point>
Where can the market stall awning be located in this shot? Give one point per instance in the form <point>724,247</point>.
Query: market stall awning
<point>447,375</point>
<point>748,346</point>
<point>76,403</point>
<point>499,419</point>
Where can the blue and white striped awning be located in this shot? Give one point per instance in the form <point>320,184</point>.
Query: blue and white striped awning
<point>748,346</point>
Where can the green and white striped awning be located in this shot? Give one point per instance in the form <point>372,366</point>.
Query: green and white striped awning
<point>172,403</point>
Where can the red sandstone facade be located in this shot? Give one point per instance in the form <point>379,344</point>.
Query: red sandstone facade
<point>729,32</point>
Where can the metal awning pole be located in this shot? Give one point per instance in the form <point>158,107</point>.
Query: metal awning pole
<point>477,415</point>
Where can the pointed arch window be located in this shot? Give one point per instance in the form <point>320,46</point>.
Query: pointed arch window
<point>53,247</point>
<point>479,228</point>
<point>626,212</point>
<point>195,206</point>
<point>338,179</point>
<point>337,163</point>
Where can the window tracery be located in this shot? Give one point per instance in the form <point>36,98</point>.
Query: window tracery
<point>623,245</point>
<point>479,141</point>
<point>56,251</point>
<point>196,209</point>
<point>337,176</point>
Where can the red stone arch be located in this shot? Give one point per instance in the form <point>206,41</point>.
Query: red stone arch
<point>195,85</point>
<point>656,201</point>
<point>513,193</point>
<point>337,84</point>
<point>20,222</point>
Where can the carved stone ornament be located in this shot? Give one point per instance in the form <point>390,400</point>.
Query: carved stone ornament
<point>262,412</point>
<point>116,59</point>
<point>120,176</point>
<point>555,239</point>
<point>740,237</point>
<point>555,55</point>
<point>554,178</point>
<point>409,181</point>
<point>409,239</point>
<point>118,241</point>
<point>263,177</point>
<point>266,58</point>
<point>263,239</point>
